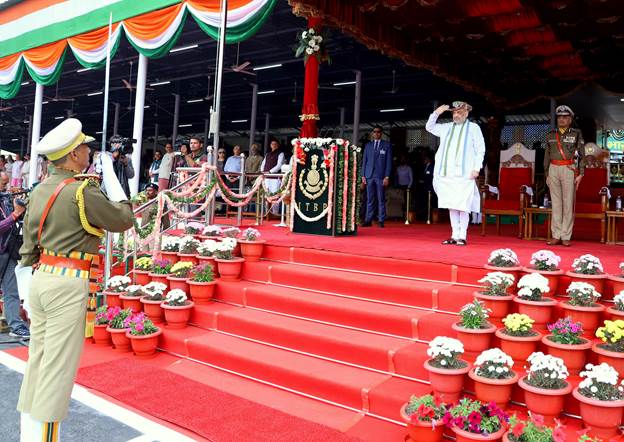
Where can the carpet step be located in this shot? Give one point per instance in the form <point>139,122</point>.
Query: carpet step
<point>362,314</point>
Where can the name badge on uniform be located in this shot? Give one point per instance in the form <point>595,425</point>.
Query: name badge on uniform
<point>569,139</point>
<point>382,152</point>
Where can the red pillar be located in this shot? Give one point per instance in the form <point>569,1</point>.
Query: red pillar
<point>310,89</point>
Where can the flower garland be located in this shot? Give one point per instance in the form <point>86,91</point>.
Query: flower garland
<point>310,43</point>
<point>345,188</point>
<point>293,188</point>
<point>314,218</point>
<point>330,193</point>
<point>355,199</point>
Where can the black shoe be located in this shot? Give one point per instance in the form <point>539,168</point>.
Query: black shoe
<point>381,224</point>
<point>449,241</point>
<point>461,242</point>
<point>21,332</point>
<point>366,224</point>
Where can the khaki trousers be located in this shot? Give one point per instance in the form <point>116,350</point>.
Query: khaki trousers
<point>561,184</point>
<point>58,309</point>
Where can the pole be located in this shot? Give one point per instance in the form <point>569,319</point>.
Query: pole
<point>176,117</point>
<point>267,121</point>
<point>36,132</point>
<point>116,120</point>
<point>254,114</point>
<point>206,129</point>
<point>407,205</point>
<point>282,213</point>
<point>29,135</point>
<point>429,207</point>
<point>209,212</point>
<point>241,189</point>
<point>155,137</point>
<point>356,108</point>
<point>342,122</point>
<point>137,131</point>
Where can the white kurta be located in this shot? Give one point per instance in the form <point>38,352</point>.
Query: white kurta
<point>461,151</point>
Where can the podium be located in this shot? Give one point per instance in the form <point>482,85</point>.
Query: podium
<point>325,187</point>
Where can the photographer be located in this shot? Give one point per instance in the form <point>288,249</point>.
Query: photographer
<point>10,212</point>
<point>122,164</point>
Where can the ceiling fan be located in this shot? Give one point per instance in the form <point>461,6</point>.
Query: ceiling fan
<point>240,68</point>
<point>395,87</point>
<point>57,97</point>
<point>5,108</point>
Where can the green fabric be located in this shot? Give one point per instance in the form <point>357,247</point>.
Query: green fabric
<point>99,64</point>
<point>52,78</point>
<point>93,20</point>
<point>241,32</point>
<point>8,91</point>
<point>164,49</point>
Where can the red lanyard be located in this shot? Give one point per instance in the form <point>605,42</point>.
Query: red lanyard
<point>560,147</point>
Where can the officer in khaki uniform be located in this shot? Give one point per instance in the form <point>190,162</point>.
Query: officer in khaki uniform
<point>65,219</point>
<point>562,173</point>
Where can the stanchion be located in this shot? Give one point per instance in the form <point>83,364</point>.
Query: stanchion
<point>208,213</point>
<point>407,206</point>
<point>241,189</point>
<point>429,207</point>
<point>282,223</point>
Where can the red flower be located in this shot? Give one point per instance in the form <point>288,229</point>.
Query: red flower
<point>559,434</point>
<point>518,429</point>
<point>537,419</point>
<point>474,418</point>
<point>424,411</point>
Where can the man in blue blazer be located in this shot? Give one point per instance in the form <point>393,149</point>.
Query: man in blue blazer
<point>376,168</point>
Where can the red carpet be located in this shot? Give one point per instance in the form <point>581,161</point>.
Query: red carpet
<point>211,413</point>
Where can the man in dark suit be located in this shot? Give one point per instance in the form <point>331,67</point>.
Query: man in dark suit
<point>376,168</point>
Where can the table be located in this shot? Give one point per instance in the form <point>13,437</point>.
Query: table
<point>530,212</point>
<point>612,228</point>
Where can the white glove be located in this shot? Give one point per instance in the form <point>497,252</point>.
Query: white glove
<point>23,275</point>
<point>112,187</point>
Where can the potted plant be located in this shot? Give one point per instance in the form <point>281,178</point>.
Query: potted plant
<point>517,337</point>
<point>533,430</point>
<point>193,228</point>
<point>160,270</point>
<point>617,281</point>
<point>210,232</point>
<point>188,249</point>
<point>531,300</point>
<point>152,300</point>
<point>582,305</point>
<point>103,315</point>
<point>565,342</point>
<point>170,246</point>
<point>546,263</point>
<point>446,370</point>
<point>142,267</point>
<point>117,329</point>
<point>496,297</point>
<point>617,311</point>
<point>116,286</point>
<point>202,284</point>
<point>177,309</point>
<point>588,268</point>
<point>611,350</point>
<point>601,399</point>
<point>179,274</point>
<point>423,416</point>
<point>493,377</point>
<point>143,335</point>
<point>545,385</point>
<point>132,298</point>
<point>472,420</point>
<point>251,245</point>
<point>504,260</point>
<point>232,232</point>
<point>229,265</point>
<point>473,328</point>
<point>205,253</point>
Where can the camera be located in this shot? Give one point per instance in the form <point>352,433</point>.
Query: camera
<point>122,144</point>
<point>21,197</point>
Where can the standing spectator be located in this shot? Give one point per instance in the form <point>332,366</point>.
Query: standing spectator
<point>221,159</point>
<point>404,174</point>
<point>196,157</point>
<point>180,160</point>
<point>376,168</point>
<point>233,164</point>
<point>165,168</point>
<point>272,163</point>
<point>253,163</point>
<point>155,167</point>
<point>26,172</point>
<point>122,165</point>
<point>2,163</point>
<point>9,168</point>
<point>16,172</point>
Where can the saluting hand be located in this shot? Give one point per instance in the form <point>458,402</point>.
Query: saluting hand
<point>440,110</point>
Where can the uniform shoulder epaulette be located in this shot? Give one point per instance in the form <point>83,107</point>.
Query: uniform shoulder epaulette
<point>92,179</point>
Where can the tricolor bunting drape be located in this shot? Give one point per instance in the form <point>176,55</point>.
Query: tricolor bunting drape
<point>38,34</point>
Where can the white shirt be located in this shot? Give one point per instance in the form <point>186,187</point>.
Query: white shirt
<point>166,164</point>
<point>233,164</point>
<point>278,166</point>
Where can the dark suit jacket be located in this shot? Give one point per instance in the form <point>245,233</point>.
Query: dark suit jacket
<point>377,164</point>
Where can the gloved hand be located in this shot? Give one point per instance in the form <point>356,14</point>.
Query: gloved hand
<point>112,187</point>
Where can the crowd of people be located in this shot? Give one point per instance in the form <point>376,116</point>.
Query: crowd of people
<point>18,170</point>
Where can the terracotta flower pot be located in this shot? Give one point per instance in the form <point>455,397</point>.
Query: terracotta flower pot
<point>205,237</point>
<point>493,390</point>
<point>614,358</point>
<point>177,316</point>
<point>141,277</point>
<point>515,271</point>
<point>157,277</point>
<point>548,403</point>
<point>518,347</point>
<point>617,282</point>
<point>252,250</point>
<point>202,292</point>
<point>447,384</point>
<point>574,356</point>
<point>598,281</point>
<point>230,269</point>
<point>551,275</point>
<point>153,310</point>
<point>602,418</point>
<point>539,311</point>
<point>474,340</point>
<point>172,257</point>
<point>188,257</point>
<point>422,431</point>
<point>112,298</point>
<point>131,302</point>
<point>498,304</point>
<point>211,261</point>
<point>144,346</point>
<point>588,316</point>
<point>467,436</point>
<point>120,340</point>
<point>615,314</point>
<point>178,283</point>
<point>101,336</point>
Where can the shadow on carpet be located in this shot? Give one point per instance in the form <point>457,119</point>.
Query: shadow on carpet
<point>210,413</point>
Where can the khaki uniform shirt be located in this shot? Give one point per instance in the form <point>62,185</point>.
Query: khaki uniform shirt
<point>571,142</point>
<point>253,163</point>
<point>63,231</point>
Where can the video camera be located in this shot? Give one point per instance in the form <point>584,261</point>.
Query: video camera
<point>123,144</point>
<point>23,201</point>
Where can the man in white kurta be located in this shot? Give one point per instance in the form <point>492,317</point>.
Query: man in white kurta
<point>458,161</point>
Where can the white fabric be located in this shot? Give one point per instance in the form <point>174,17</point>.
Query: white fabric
<point>459,224</point>
<point>42,71</point>
<point>23,275</point>
<point>492,189</point>
<point>98,54</point>
<point>31,430</point>
<point>163,38</point>
<point>112,187</point>
<point>166,164</point>
<point>235,17</point>
<point>278,166</point>
<point>457,193</point>
<point>7,76</point>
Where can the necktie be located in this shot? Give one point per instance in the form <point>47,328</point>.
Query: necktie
<point>376,145</point>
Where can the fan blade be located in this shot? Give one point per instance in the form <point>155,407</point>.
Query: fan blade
<point>241,66</point>
<point>126,84</point>
<point>248,73</point>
